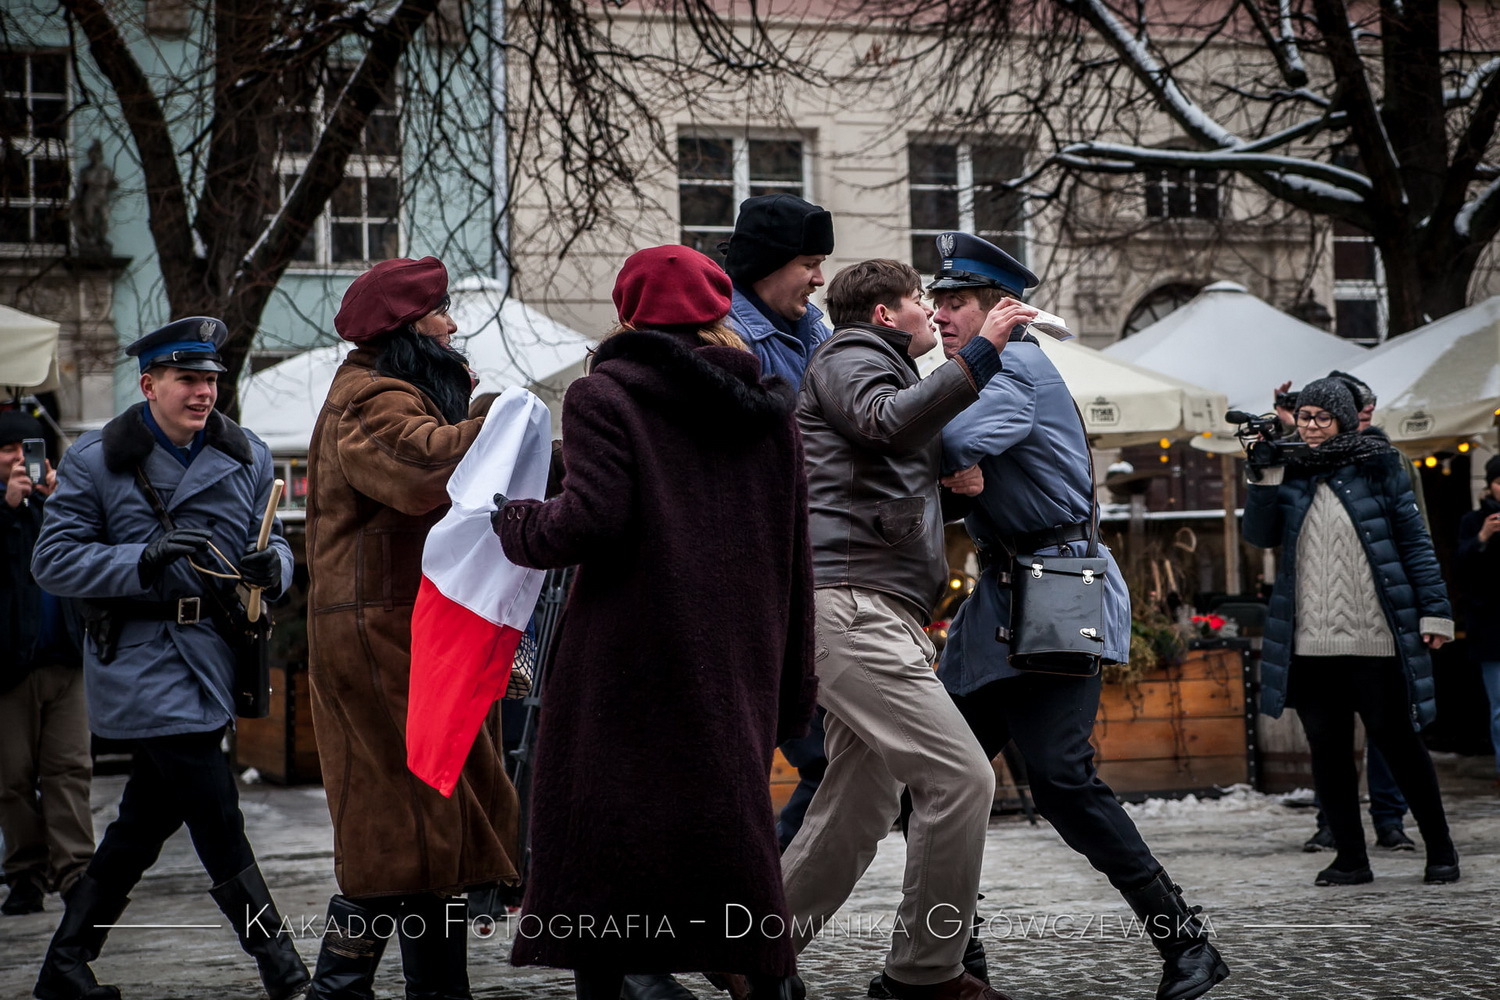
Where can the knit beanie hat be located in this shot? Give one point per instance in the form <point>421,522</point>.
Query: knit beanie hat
<point>1333,395</point>
<point>771,230</point>
<point>17,426</point>
<point>672,287</point>
<point>1491,468</point>
<point>390,295</point>
<point>1363,395</point>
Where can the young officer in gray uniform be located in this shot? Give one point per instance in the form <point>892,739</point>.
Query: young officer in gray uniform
<point>1027,438</point>
<point>157,673</point>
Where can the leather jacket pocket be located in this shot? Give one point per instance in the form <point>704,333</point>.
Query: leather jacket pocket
<point>899,520</point>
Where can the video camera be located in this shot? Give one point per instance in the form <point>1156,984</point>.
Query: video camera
<point>1260,435</point>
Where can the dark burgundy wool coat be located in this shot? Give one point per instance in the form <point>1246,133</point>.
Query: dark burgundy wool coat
<point>684,658</point>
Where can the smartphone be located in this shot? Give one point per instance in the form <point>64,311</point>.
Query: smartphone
<point>34,454</point>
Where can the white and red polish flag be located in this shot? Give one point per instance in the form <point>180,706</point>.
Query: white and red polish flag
<point>473,605</point>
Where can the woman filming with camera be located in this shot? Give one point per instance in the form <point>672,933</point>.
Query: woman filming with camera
<point>1358,606</point>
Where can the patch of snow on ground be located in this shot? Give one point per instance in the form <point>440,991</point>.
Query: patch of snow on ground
<point>1236,799</point>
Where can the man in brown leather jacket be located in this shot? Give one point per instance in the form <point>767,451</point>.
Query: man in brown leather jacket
<point>871,430</point>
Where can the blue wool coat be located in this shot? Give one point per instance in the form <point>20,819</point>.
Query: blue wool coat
<point>1027,438</point>
<point>1377,494</point>
<point>780,353</point>
<point>165,678</point>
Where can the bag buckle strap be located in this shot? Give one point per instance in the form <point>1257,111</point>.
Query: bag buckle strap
<point>1003,634</point>
<point>189,610</point>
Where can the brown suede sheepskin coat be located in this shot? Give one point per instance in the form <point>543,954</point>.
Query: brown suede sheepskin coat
<point>378,472</point>
<point>684,658</point>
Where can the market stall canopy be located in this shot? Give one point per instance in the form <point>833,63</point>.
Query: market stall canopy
<point>1232,342</point>
<point>507,343</point>
<point>1439,382</point>
<point>1125,404</point>
<point>1122,403</point>
<point>28,352</point>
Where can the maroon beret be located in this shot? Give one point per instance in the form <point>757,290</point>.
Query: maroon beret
<point>671,286</point>
<point>390,295</point>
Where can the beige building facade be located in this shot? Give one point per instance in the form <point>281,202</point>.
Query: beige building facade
<point>1114,255</point>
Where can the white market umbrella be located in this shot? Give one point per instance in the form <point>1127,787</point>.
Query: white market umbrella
<point>28,351</point>
<point>1122,403</point>
<point>1232,342</point>
<point>1125,404</point>
<point>507,342</point>
<point>1440,381</point>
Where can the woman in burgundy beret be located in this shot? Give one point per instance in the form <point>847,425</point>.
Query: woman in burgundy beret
<point>389,435</point>
<point>684,655</point>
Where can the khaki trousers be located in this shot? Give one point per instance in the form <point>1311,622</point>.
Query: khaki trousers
<point>891,724</point>
<point>45,770</point>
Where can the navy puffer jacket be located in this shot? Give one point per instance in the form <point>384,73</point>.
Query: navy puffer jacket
<point>1377,493</point>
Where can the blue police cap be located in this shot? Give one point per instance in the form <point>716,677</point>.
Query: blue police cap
<point>970,262</point>
<point>192,343</point>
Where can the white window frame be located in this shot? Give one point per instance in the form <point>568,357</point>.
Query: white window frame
<point>740,177</point>
<point>32,149</point>
<point>385,165</point>
<point>1158,179</point>
<point>1360,289</point>
<point>964,185</point>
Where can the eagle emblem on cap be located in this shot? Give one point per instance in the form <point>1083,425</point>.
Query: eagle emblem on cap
<point>945,247</point>
<point>206,330</point>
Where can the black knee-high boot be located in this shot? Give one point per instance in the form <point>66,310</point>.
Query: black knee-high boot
<point>350,953</point>
<point>434,955</point>
<point>1191,965</point>
<point>246,901</point>
<point>595,984</point>
<point>65,971</point>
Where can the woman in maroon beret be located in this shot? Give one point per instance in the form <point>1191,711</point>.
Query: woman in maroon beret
<point>389,435</point>
<point>684,655</point>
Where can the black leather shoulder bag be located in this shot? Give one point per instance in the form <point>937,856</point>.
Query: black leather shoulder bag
<point>1057,604</point>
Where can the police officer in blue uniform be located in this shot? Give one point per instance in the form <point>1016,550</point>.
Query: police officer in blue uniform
<point>1027,437</point>
<point>157,673</point>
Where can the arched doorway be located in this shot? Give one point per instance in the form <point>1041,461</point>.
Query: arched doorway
<point>1158,303</point>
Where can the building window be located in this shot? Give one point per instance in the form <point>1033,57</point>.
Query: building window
<point>958,186</point>
<point>1358,285</point>
<point>716,173</point>
<point>362,221</point>
<point>1182,193</point>
<point>35,177</point>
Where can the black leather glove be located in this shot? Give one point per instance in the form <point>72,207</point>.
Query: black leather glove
<point>262,568</point>
<point>497,514</point>
<point>169,548</point>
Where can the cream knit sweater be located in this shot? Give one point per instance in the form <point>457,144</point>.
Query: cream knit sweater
<point>1338,610</point>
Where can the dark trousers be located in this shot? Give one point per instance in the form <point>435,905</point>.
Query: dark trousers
<point>807,755</point>
<point>1387,806</point>
<point>175,780</point>
<point>1327,691</point>
<point>1051,718</point>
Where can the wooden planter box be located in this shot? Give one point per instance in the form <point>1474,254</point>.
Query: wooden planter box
<point>282,746</point>
<point>1182,729</point>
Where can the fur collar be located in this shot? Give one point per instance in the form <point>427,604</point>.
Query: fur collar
<point>127,440</point>
<point>716,388</point>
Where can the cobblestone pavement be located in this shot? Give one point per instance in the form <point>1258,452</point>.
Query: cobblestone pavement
<point>1055,930</point>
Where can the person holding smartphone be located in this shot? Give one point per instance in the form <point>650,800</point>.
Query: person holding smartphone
<point>45,767</point>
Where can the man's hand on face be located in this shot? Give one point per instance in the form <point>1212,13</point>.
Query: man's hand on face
<point>1005,317</point>
<point>965,482</point>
